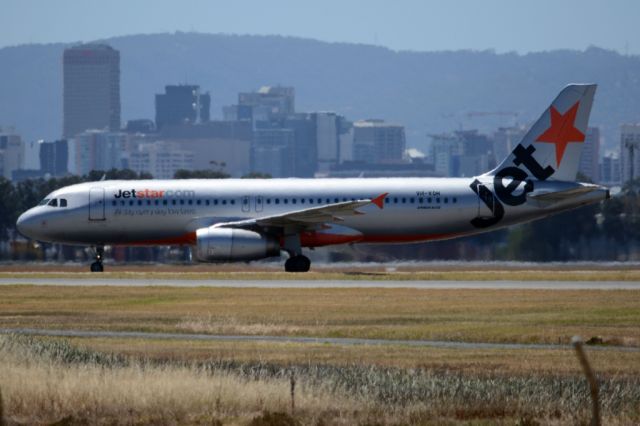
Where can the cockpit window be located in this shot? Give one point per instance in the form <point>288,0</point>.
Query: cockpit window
<point>63,202</point>
<point>54,202</point>
<point>44,202</point>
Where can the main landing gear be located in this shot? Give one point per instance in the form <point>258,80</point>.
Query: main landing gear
<point>297,263</point>
<point>97,266</point>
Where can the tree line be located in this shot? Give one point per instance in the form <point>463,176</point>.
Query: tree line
<point>609,230</point>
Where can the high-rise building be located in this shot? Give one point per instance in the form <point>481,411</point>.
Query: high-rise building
<point>54,157</point>
<point>305,146</point>
<point>462,153</point>
<point>161,159</point>
<point>100,150</point>
<point>182,104</point>
<point>629,152</point>
<point>590,157</point>
<point>610,170</point>
<point>269,102</point>
<point>375,141</point>
<point>505,139</point>
<point>273,151</point>
<point>91,89</point>
<point>11,154</point>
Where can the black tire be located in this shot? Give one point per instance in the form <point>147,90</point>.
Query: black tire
<point>97,267</point>
<point>297,264</point>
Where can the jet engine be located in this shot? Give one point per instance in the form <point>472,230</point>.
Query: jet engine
<point>229,244</point>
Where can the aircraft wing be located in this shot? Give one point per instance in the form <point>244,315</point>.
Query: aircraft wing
<point>309,218</point>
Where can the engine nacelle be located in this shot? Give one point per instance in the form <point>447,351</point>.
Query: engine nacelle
<point>228,244</point>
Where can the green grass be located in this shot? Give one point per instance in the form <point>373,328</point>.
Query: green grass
<point>474,315</point>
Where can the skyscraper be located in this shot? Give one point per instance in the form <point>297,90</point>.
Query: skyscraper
<point>629,152</point>
<point>375,141</point>
<point>54,157</point>
<point>181,104</point>
<point>590,157</point>
<point>91,89</point>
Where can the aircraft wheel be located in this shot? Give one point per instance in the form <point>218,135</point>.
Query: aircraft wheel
<point>297,263</point>
<point>97,267</point>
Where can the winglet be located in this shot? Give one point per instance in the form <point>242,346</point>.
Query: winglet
<point>379,200</point>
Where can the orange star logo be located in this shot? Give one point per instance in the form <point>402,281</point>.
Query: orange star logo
<point>562,130</point>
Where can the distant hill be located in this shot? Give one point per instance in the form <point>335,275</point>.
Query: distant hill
<point>427,91</point>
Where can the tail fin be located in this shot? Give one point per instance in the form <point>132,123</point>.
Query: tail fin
<point>551,149</point>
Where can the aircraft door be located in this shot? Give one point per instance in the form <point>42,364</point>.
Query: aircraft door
<point>246,203</point>
<point>96,204</point>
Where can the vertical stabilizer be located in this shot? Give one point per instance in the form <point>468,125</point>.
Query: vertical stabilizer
<point>555,140</point>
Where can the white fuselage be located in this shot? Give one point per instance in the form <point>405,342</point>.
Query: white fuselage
<point>163,212</point>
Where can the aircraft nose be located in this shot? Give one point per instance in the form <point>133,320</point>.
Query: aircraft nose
<point>26,224</point>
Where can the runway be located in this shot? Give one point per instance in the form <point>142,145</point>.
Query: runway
<point>300,340</point>
<point>357,283</point>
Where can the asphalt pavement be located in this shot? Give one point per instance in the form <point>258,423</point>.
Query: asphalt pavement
<point>360,283</point>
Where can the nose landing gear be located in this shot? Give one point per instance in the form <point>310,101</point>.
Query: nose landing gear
<point>297,263</point>
<point>97,266</point>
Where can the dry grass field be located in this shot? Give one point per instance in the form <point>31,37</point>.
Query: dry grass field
<point>135,381</point>
<point>45,381</point>
<point>478,315</point>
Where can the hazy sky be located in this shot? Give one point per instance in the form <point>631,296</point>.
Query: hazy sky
<point>503,25</point>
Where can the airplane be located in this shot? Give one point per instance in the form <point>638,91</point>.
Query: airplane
<point>248,219</point>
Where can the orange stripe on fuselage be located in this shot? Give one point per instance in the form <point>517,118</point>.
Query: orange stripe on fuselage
<point>309,239</point>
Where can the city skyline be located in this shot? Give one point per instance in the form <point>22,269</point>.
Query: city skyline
<point>498,25</point>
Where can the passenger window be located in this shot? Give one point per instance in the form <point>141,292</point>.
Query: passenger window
<point>446,199</point>
<point>122,202</point>
<point>437,200</point>
<point>429,200</point>
<point>114,203</point>
<point>156,202</point>
<point>301,200</point>
<point>164,202</point>
<point>387,200</point>
<point>190,202</point>
<point>224,202</point>
<point>404,200</point>
<point>293,201</point>
<point>181,202</point>
<point>233,201</point>
<point>268,200</point>
<point>454,199</point>
<point>148,202</point>
<point>206,202</point>
<point>173,202</point>
<point>139,202</point>
<point>310,200</point>
<point>277,200</point>
<point>336,200</point>
<point>421,200</point>
<point>131,202</point>
<point>54,202</point>
<point>412,200</point>
<point>285,200</point>
<point>198,202</point>
<point>63,202</point>
<point>395,200</point>
<point>319,200</point>
<point>215,202</point>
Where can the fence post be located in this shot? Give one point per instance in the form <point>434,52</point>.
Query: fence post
<point>591,378</point>
<point>293,392</point>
